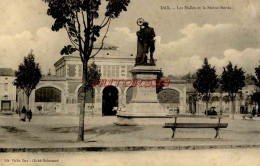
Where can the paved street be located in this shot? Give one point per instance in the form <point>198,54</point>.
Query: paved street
<point>57,131</point>
<point>224,157</point>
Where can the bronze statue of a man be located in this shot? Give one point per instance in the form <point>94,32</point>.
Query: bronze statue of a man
<point>145,44</point>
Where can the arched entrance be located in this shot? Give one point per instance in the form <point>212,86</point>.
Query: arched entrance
<point>109,100</point>
<point>48,99</point>
<point>169,99</point>
<point>169,96</point>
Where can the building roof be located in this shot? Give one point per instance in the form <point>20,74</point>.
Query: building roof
<point>108,51</point>
<point>52,78</point>
<point>6,72</point>
<point>105,46</point>
<point>178,81</point>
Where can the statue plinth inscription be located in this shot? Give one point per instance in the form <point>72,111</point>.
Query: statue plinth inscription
<point>144,100</point>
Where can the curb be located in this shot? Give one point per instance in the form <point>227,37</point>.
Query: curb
<point>126,148</point>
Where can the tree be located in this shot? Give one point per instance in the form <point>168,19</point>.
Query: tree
<point>28,75</point>
<point>93,79</point>
<point>78,18</point>
<point>206,81</point>
<point>256,79</point>
<point>256,98</point>
<point>240,98</point>
<point>232,81</point>
<point>256,95</point>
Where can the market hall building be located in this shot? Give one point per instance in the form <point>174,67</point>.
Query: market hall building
<point>61,92</point>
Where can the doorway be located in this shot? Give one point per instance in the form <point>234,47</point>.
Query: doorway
<point>6,105</point>
<point>109,101</point>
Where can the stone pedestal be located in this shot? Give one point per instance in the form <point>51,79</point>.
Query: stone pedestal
<point>144,103</point>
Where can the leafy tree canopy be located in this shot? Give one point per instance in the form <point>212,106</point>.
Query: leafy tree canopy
<point>77,17</point>
<point>256,79</point>
<point>28,74</point>
<point>232,80</point>
<point>256,97</point>
<point>207,80</point>
<point>93,75</point>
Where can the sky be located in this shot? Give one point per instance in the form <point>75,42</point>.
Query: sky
<point>183,37</point>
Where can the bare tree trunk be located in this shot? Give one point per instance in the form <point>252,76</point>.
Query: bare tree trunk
<point>28,102</point>
<point>207,106</point>
<point>82,107</point>
<point>258,110</point>
<point>220,105</point>
<point>233,108</point>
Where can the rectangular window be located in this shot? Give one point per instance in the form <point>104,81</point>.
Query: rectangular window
<point>1,87</point>
<point>59,72</point>
<point>117,71</point>
<point>129,75</point>
<point>80,71</point>
<point>6,86</point>
<point>123,70</point>
<point>64,70</point>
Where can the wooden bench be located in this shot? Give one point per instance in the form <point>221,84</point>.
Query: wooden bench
<point>215,126</point>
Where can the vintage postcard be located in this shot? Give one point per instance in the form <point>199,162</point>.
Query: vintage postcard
<point>129,82</point>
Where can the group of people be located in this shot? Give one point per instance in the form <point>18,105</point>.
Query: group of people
<point>25,114</point>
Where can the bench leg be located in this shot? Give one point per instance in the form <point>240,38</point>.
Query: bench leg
<point>217,133</point>
<point>173,130</point>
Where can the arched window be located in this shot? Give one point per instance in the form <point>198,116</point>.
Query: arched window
<point>169,96</point>
<point>48,94</point>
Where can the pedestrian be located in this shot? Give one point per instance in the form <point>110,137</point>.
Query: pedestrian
<point>17,110</point>
<point>178,110</point>
<point>29,115</point>
<point>254,111</point>
<point>23,116</point>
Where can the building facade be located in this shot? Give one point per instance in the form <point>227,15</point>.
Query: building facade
<point>221,101</point>
<point>61,92</point>
<point>7,90</point>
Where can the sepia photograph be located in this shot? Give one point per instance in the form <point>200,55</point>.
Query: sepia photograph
<point>129,82</point>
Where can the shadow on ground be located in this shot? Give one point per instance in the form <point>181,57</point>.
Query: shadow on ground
<point>98,130</point>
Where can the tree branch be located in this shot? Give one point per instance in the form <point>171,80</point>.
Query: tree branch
<point>102,43</point>
<point>108,20</point>
<point>83,18</point>
<point>79,39</point>
<point>103,21</point>
<point>71,40</point>
<point>90,48</point>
